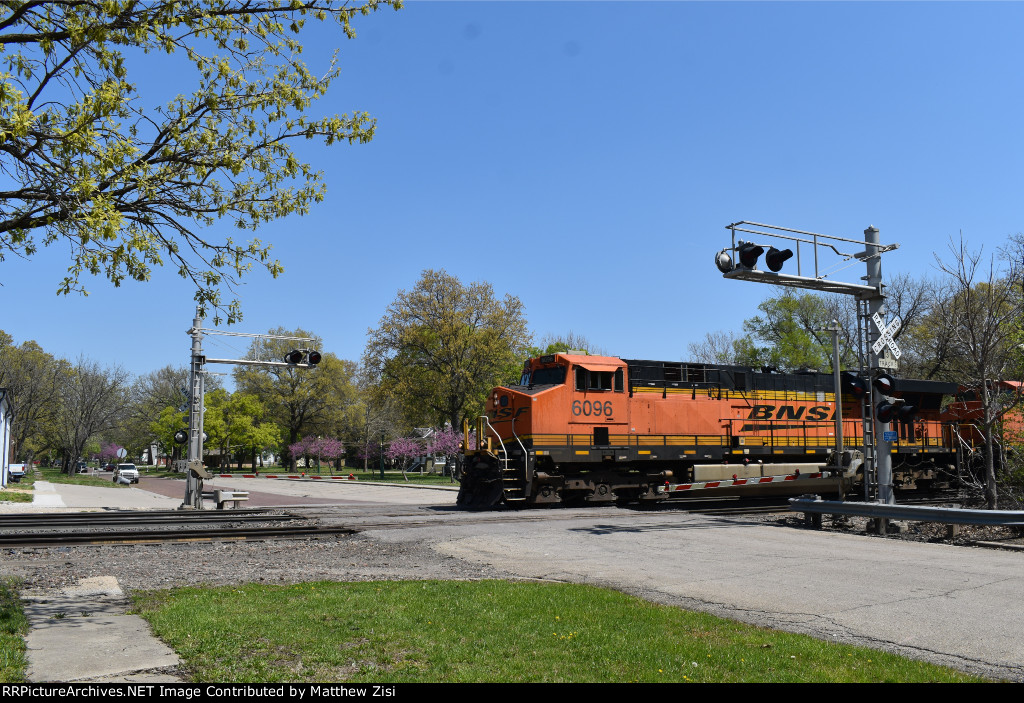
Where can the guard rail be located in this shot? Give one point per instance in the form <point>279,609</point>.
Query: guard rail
<point>813,506</point>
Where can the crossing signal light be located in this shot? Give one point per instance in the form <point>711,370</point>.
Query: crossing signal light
<point>775,258</point>
<point>313,358</point>
<point>293,357</point>
<point>748,254</point>
<point>894,409</point>
<point>885,412</point>
<point>181,436</point>
<point>723,261</point>
<point>854,385</point>
<point>885,384</point>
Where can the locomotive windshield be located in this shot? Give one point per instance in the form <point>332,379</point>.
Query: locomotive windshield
<point>552,375</point>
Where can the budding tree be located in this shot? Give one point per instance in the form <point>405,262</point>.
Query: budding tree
<point>128,186</point>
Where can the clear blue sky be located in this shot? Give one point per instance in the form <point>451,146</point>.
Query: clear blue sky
<point>586,156</point>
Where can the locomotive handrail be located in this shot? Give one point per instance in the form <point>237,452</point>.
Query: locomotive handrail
<point>488,425</point>
<point>852,434</point>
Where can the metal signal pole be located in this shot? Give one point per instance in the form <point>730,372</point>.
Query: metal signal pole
<point>739,261</point>
<point>876,306</point>
<point>195,472</point>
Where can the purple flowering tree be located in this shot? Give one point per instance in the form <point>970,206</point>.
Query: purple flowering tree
<point>404,451</point>
<point>332,450</point>
<point>449,443</point>
<point>320,447</point>
<point>108,453</point>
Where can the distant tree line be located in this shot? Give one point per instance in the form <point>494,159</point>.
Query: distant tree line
<point>438,350</point>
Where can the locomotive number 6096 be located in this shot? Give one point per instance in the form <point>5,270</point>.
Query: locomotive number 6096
<point>596,408</point>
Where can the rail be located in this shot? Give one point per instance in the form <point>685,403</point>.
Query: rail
<point>912,513</point>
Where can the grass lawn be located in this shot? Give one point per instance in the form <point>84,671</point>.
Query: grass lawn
<point>14,494</point>
<point>54,475</point>
<point>13,628</point>
<point>487,631</point>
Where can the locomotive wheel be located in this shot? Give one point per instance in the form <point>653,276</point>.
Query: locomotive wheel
<point>481,486</point>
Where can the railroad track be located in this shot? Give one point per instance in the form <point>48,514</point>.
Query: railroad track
<point>139,517</point>
<point>222,534</point>
<point>155,527</point>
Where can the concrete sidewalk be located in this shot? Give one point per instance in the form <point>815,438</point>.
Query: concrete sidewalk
<point>82,634</point>
<point>67,497</point>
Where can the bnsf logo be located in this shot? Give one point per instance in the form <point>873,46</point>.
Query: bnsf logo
<point>791,412</point>
<point>506,413</point>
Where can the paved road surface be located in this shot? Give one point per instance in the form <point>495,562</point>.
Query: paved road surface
<point>167,494</point>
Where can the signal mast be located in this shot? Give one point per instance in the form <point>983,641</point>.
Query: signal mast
<point>193,466</point>
<point>877,348</point>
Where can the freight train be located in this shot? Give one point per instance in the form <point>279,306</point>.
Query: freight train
<point>594,429</point>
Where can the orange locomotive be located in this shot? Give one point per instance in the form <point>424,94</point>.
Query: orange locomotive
<point>966,418</point>
<point>579,428</point>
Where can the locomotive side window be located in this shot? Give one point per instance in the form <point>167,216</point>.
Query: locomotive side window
<point>600,380</point>
<point>587,380</point>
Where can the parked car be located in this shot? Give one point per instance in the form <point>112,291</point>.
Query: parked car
<point>15,472</point>
<point>83,468</point>
<point>109,467</point>
<point>126,473</point>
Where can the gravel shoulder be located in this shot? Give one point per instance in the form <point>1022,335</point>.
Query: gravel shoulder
<point>348,558</point>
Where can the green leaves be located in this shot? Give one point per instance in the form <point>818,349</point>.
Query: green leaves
<point>441,347</point>
<point>128,184</point>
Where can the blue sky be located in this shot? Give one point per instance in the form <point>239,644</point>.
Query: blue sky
<point>586,157</point>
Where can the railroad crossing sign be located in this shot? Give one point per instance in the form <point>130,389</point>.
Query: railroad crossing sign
<point>886,335</point>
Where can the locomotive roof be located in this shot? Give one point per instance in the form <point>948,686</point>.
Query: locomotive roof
<point>589,360</point>
<point>733,377</point>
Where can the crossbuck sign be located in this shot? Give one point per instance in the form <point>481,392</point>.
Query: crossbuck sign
<point>886,335</point>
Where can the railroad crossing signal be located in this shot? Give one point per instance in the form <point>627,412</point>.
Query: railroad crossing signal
<point>854,385</point>
<point>775,258</point>
<point>739,262</point>
<point>886,335</point>
<point>748,253</point>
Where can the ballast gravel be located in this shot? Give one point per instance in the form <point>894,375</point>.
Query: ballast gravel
<point>355,557</point>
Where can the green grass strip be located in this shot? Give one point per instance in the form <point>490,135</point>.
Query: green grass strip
<point>487,631</point>
<point>55,475</point>
<point>11,494</point>
<point>13,628</point>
